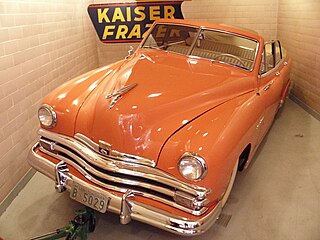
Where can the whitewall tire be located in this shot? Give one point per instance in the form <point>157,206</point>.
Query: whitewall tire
<point>228,191</point>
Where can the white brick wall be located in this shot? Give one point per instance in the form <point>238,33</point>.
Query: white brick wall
<point>299,30</point>
<point>42,44</point>
<point>260,15</point>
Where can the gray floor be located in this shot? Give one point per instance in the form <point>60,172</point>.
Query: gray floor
<point>278,197</point>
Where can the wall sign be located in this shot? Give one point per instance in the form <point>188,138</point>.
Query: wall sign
<point>127,22</point>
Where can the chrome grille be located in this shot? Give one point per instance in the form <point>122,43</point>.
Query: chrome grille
<point>121,175</point>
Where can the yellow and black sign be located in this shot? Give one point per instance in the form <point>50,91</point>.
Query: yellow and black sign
<point>127,22</point>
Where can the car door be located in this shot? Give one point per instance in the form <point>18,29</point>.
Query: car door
<point>270,84</point>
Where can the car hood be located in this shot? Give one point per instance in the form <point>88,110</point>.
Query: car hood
<point>171,90</point>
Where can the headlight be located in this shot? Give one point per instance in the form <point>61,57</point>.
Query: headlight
<point>192,166</point>
<point>47,116</point>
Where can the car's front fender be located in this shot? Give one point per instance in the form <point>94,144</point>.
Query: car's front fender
<point>219,136</point>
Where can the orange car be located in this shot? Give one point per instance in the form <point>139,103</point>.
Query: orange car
<point>159,136</point>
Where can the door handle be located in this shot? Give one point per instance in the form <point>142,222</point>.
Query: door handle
<point>277,73</point>
<point>267,87</point>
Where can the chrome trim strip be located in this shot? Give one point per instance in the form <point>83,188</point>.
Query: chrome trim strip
<point>138,211</point>
<point>114,154</point>
<point>127,168</point>
<point>132,158</point>
<point>87,141</point>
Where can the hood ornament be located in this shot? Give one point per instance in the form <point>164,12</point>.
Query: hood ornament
<point>116,95</point>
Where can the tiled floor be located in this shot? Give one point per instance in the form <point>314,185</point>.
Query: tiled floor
<point>278,197</point>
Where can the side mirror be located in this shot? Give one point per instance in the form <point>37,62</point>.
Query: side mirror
<point>130,52</point>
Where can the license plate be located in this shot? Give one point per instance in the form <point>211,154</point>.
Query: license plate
<point>89,198</point>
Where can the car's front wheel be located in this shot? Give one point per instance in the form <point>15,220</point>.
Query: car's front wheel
<point>232,178</point>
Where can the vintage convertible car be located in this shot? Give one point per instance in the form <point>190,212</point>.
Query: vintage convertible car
<point>159,136</point>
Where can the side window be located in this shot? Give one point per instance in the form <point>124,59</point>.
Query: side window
<point>278,53</point>
<point>271,56</point>
<point>267,62</point>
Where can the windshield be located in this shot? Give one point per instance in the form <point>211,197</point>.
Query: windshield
<point>215,45</point>
<point>173,38</point>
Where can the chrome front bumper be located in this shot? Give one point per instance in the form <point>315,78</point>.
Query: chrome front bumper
<point>125,205</point>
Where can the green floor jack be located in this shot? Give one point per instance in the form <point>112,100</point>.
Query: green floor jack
<point>78,228</point>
